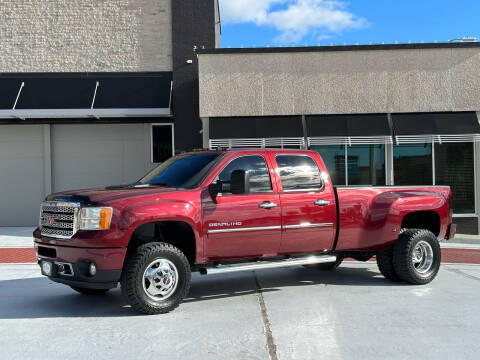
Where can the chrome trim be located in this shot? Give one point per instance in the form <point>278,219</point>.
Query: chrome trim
<point>307,225</point>
<point>296,226</point>
<point>304,190</point>
<point>67,265</point>
<point>267,205</point>
<point>321,202</point>
<point>310,260</point>
<point>59,208</point>
<point>244,229</point>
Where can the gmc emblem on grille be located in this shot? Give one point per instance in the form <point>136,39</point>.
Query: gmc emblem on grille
<point>49,220</point>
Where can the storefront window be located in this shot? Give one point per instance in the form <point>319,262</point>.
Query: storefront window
<point>412,164</point>
<point>454,166</point>
<point>366,164</point>
<point>161,143</point>
<point>334,158</point>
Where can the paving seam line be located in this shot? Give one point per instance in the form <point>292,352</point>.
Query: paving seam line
<point>460,272</point>
<point>272,348</point>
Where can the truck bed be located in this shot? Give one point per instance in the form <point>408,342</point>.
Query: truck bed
<point>369,217</point>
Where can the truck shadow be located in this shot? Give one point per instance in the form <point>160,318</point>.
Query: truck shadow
<point>225,286</point>
<point>32,298</point>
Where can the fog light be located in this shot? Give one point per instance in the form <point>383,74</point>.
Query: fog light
<point>92,269</point>
<point>47,268</point>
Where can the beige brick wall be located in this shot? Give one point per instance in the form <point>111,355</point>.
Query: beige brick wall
<point>340,82</point>
<point>85,35</point>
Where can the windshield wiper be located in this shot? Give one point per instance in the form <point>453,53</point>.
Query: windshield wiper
<point>160,184</point>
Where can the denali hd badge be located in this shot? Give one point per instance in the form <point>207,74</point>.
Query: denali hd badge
<point>233,223</point>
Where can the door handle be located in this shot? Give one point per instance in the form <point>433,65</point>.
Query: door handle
<point>267,205</point>
<point>321,202</point>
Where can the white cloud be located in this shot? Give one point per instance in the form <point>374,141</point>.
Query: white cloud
<point>294,19</point>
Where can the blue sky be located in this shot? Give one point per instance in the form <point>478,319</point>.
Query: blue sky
<point>259,23</point>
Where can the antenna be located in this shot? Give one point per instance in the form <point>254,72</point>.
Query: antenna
<point>464,39</point>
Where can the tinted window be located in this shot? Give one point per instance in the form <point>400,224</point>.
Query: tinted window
<point>186,171</point>
<point>366,164</point>
<point>334,158</point>
<point>161,143</point>
<point>412,164</point>
<point>455,166</point>
<point>298,172</point>
<point>255,166</point>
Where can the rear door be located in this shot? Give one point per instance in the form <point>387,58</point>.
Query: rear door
<point>308,205</point>
<point>246,225</point>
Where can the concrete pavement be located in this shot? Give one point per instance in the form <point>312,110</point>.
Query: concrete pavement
<point>351,313</point>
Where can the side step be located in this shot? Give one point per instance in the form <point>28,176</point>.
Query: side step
<point>320,259</point>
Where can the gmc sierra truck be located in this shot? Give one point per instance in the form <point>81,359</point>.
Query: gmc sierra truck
<point>216,212</point>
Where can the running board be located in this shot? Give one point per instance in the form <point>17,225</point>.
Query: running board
<point>311,260</point>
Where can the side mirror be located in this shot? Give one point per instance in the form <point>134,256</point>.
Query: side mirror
<point>215,188</point>
<point>239,183</point>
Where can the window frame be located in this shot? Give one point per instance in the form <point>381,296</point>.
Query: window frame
<point>151,139</point>
<point>322,182</point>
<point>345,162</point>
<point>433,143</point>
<point>215,178</point>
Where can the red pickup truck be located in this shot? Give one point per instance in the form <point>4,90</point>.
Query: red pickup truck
<point>224,211</point>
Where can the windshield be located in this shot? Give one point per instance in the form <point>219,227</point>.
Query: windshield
<point>182,171</point>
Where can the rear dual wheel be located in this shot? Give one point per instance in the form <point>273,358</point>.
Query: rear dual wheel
<point>415,257</point>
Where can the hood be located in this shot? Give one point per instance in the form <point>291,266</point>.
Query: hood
<point>105,195</point>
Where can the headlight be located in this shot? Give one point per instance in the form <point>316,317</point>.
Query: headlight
<point>95,218</point>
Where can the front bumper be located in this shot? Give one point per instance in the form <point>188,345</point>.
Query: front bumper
<point>108,261</point>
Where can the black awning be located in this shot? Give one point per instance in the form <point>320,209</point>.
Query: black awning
<point>255,127</point>
<point>76,91</point>
<point>436,123</point>
<point>347,125</point>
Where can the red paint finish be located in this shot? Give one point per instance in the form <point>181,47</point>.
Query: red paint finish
<point>105,259</point>
<point>449,255</point>
<point>369,218</point>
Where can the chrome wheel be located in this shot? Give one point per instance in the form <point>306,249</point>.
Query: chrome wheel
<point>422,257</point>
<point>160,279</point>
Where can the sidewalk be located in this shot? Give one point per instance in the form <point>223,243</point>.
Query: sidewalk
<point>16,237</point>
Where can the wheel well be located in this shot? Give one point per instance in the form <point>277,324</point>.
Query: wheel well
<point>428,220</point>
<point>177,233</point>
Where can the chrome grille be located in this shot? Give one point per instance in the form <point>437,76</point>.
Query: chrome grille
<point>59,219</point>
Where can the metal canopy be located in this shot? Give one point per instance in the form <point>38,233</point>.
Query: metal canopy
<point>85,95</point>
<point>82,113</point>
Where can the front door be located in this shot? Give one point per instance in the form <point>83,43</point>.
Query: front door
<point>246,225</point>
<point>308,207</point>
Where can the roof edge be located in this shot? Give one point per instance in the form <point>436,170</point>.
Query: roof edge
<point>261,50</point>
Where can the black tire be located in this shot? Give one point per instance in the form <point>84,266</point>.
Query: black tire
<point>327,266</point>
<point>407,243</point>
<point>385,264</point>
<point>133,281</point>
<point>85,291</point>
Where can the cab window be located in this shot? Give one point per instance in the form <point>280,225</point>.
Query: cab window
<point>255,166</point>
<point>298,172</point>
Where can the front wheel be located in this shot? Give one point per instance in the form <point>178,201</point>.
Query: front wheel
<point>156,278</point>
<point>417,256</point>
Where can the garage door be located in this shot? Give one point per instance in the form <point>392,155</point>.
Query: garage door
<point>98,155</point>
<point>21,174</point>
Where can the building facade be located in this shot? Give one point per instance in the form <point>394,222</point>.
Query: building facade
<point>95,93</point>
<point>378,114</point>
